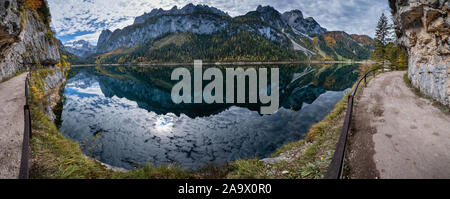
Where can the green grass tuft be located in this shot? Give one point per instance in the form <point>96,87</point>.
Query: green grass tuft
<point>247,169</point>
<point>56,157</point>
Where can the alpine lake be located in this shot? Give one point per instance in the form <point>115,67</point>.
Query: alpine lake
<point>124,116</point>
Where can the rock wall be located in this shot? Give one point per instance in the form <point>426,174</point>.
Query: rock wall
<point>25,40</point>
<point>422,27</point>
<point>52,85</point>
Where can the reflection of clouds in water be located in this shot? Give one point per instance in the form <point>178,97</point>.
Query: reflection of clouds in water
<point>163,125</point>
<point>91,91</point>
<point>135,136</point>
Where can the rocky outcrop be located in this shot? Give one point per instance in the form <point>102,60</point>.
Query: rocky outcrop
<point>306,26</point>
<point>52,85</point>
<point>188,9</point>
<point>422,26</point>
<point>9,25</point>
<point>104,37</point>
<point>25,40</point>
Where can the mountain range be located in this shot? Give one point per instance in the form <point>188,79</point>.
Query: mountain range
<point>80,48</point>
<point>203,32</point>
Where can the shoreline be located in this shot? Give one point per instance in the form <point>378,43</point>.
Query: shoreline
<point>232,63</point>
<point>86,167</point>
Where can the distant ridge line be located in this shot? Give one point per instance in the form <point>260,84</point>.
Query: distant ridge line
<point>233,63</point>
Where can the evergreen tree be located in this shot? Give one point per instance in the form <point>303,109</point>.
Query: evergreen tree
<point>383,30</point>
<point>387,48</point>
<point>381,37</point>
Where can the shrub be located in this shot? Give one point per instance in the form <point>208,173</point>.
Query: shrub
<point>33,4</point>
<point>41,7</point>
<point>49,36</point>
<point>44,12</point>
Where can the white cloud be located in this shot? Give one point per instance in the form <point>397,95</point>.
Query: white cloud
<point>92,37</point>
<point>85,19</point>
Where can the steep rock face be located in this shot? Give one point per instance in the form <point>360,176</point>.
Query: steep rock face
<point>188,9</point>
<point>52,85</point>
<point>201,19</point>
<point>306,26</point>
<point>104,37</point>
<point>270,16</point>
<point>25,40</point>
<point>9,25</point>
<point>290,30</point>
<point>200,23</point>
<point>422,26</point>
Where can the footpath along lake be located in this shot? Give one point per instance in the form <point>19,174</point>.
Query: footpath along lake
<point>124,115</point>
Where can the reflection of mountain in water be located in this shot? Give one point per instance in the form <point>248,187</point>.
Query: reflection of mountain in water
<point>298,84</point>
<point>129,114</point>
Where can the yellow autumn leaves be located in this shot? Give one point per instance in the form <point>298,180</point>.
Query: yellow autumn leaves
<point>33,4</point>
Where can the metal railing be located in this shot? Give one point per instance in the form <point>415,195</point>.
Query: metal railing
<point>25,160</point>
<point>336,168</point>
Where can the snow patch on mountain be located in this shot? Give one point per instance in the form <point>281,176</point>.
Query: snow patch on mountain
<point>80,48</point>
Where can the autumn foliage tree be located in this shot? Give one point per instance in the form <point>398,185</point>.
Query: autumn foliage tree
<point>33,4</point>
<point>387,48</point>
<point>40,7</point>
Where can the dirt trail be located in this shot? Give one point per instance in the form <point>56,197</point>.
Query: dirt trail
<point>12,100</point>
<point>397,134</point>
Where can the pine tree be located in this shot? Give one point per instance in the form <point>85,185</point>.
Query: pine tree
<point>383,30</point>
<point>381,37</point>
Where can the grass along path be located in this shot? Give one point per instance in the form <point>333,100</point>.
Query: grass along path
<point>55,156</point>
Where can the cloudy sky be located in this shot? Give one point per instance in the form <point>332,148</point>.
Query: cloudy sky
<point>85,19</point>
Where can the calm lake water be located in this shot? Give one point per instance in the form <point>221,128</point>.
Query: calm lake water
<point>124,115</point>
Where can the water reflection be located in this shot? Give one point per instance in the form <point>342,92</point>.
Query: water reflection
<point>124,116</point>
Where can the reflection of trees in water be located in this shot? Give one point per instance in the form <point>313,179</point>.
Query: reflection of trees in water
<point>117,132</point>
<point>150,87</point>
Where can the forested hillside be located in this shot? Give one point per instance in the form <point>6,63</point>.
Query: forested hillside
<point>201,32</point>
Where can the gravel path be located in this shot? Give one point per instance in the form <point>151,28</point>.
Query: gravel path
<point>12,100</point>
<point>397,134</point>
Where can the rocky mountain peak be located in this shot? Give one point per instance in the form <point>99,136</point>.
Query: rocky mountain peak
<point>266,9</point>
<point>308,25</point>
<point>80,44</point>
<point>292,16</point>
<point>269,15</point>
<point>104,36</point>
<point>188,9</point>
<point>80,48</point>
<point>265,21</point>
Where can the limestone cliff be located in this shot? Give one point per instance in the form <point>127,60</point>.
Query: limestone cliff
<point>266,21</point>
<point>53,83</point>
<point>26,40</point>
<point>422,26</point>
